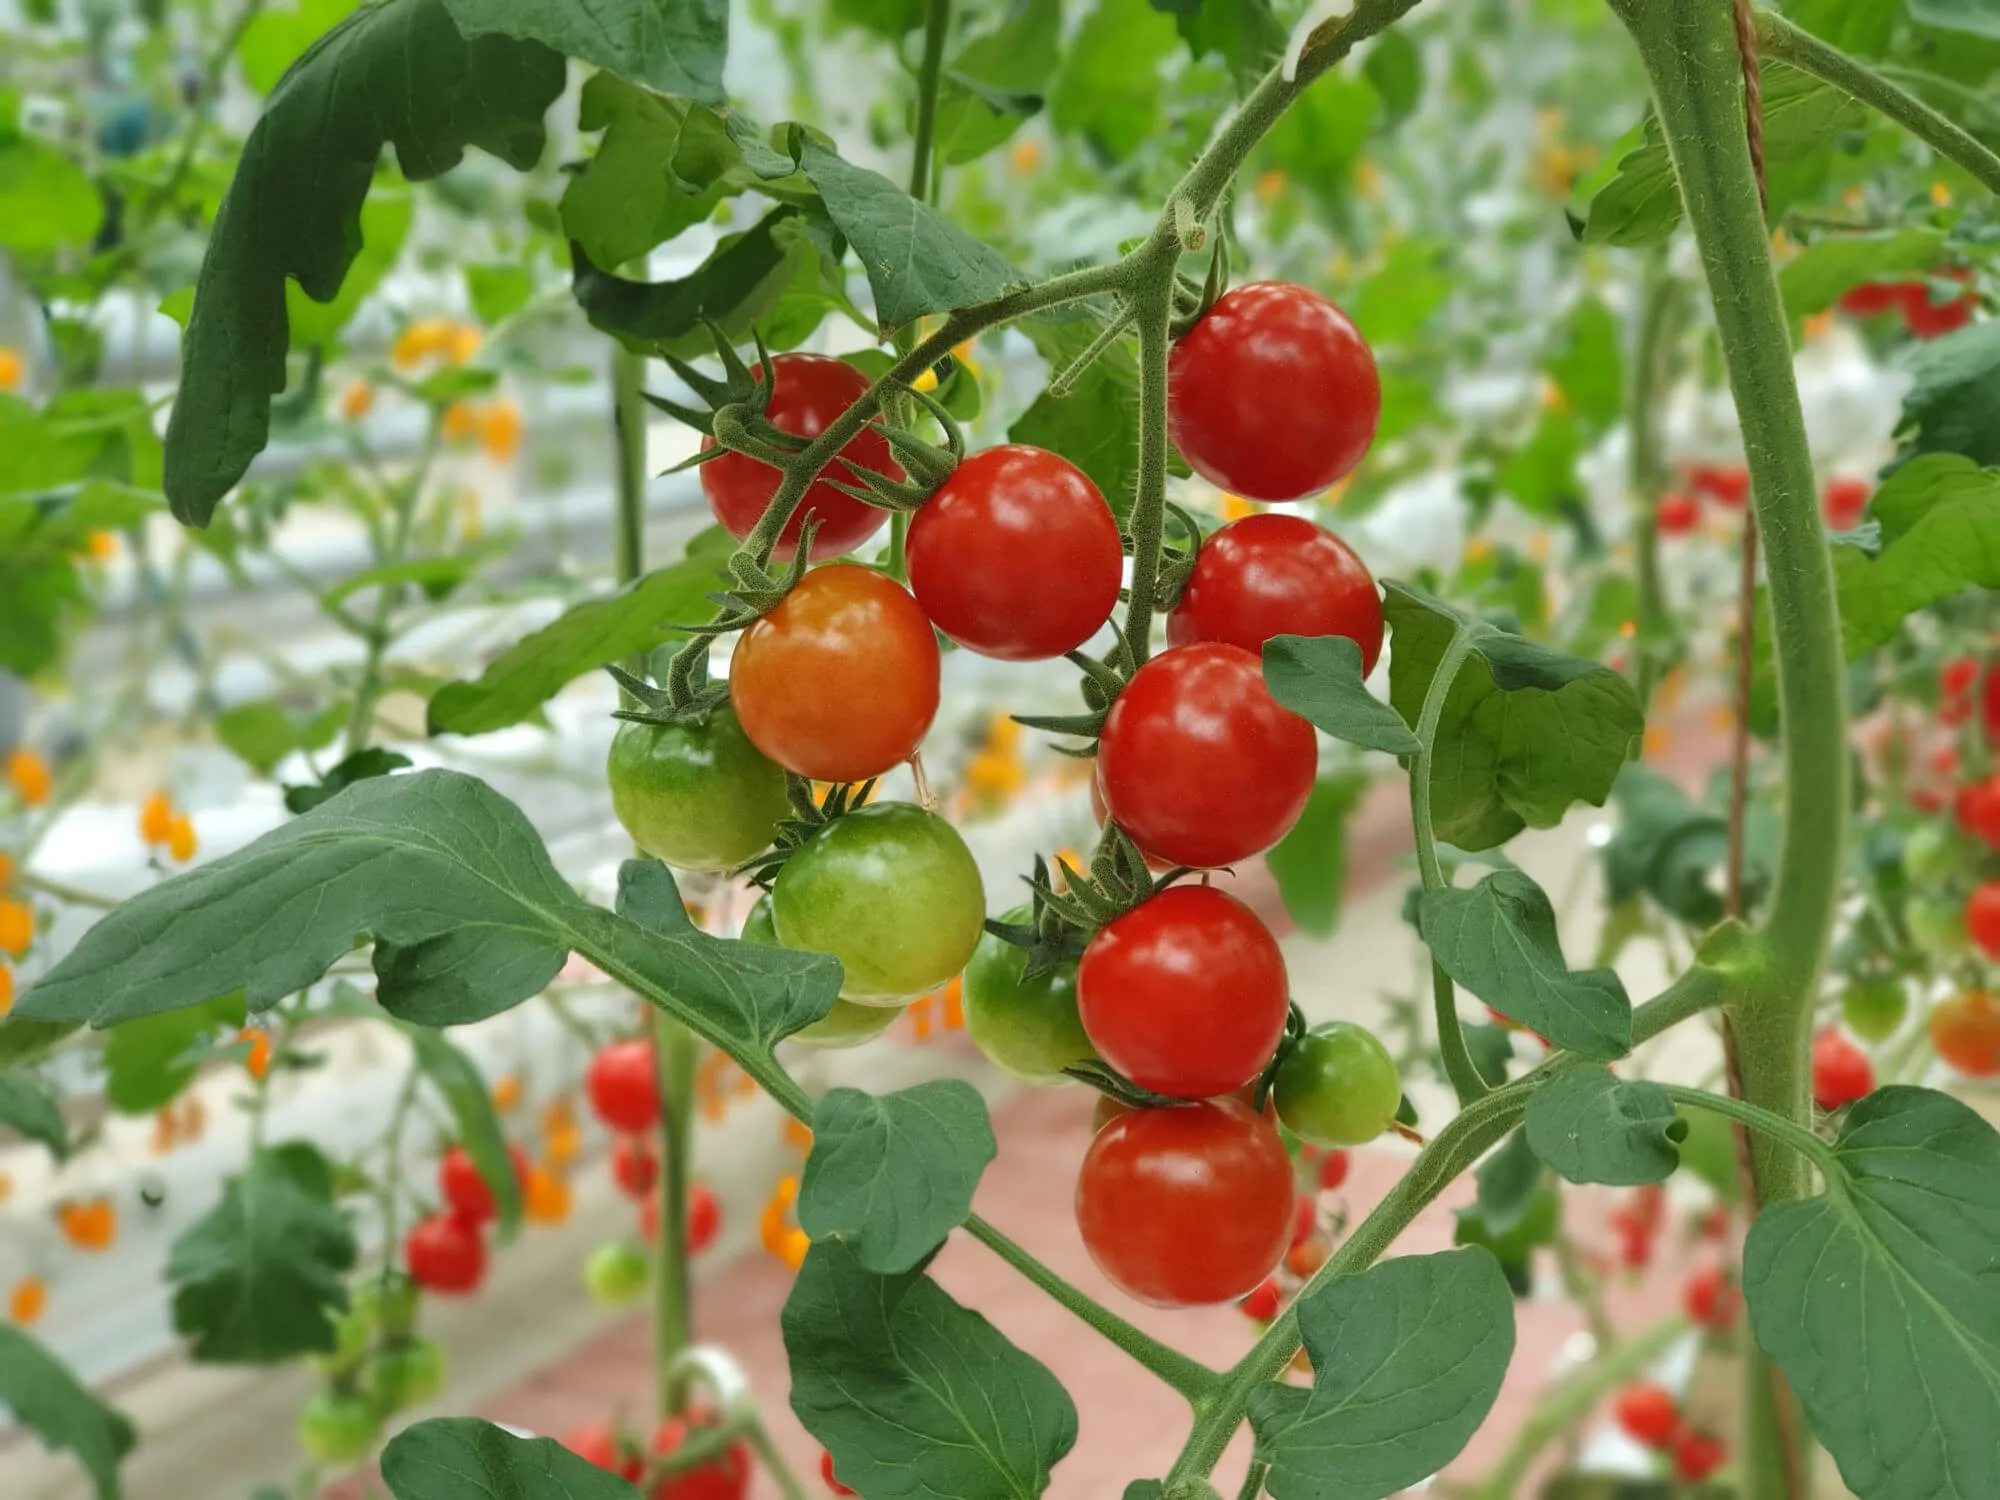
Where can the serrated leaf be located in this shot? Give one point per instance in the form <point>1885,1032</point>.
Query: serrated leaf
<point>258,1279</point>
<point>890,1176</point>
<point>1819,275</point>
<point>1498,940</point>
<point>293,209</point>
<point>28,1107</point>
<point>670,46</point>
<point>1310,862</point>
<point>1592,1126</point>
<point>44,1396</point>
<point>1096,426</point>
<point>1319,678</point>
<point>915,1396</point>
<point>1878,1300</point>
<point>465,1093</point>
<point>464,1458</point>
<point>917,261</point>
<point>1526,730</point>
<point>1508,1181</point>
<point>1407,1359</point>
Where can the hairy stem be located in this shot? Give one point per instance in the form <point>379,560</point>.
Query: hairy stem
<point>1152,311</point>
<point>628,417</point>
<point>1658,321</point>
<point>1773,1127</point>
<point>395,548</point>
<point>673,1303</point>
<point>937,22</point>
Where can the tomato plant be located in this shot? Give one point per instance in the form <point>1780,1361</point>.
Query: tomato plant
<point>700,796</point>
<point>1272,575</point>
<point>1030,1027</point>
<point>1337,1086</point>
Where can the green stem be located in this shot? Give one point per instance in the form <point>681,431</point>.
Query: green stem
<point>62,891</point>
<point>1699,989</point>
<point>758,1437</point>
<point>628,416</point>
<point>1253,1481</point>
<point>672,1295</point>
<point>937,23</point>
<point>1779,38</point>
<point>201,110</point>
<point>1774,1127</point>
<point>1152,311</point>
<point>1457,1058</point>
<point>403,499</point>
<point>1646,475</point>
<point>1192,1379</point>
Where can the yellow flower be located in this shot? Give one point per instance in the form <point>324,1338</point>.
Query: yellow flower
<point>461,421</point>
<point>995,775</point>
<point>12,368</point>
<point>1658,742</point>
<point>500,431</point>
<point>357,400</point>
<point>507,1091</point>
<point>1235,508</point>
<point>30,776</point>
<point>1026,156</point>
<point>180,838</point>
<point>1539,547</point>
<point>462,342</point>
<point>29,1297</point>
<point>1478,550</point>
<point>156,818</point>
<point>101,545</point>
<point>420,340</point>
<point>1941,194</point>
<point>258,1063</point>
<point>1818,325</point>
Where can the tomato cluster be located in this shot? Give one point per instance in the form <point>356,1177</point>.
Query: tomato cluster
<point>378,1365</point>
<point>1650,1416</point>
<point>446,1252</point>
<point>1925,316</point>
<point>723,1477</point>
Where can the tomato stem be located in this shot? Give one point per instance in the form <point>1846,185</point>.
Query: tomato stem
<point>937,22</point>
<point>1152,311</point>
<point>1772,1126</point>
<point>403,500</point>
<point>1659,320</point>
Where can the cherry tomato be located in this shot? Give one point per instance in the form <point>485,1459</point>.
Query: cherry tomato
<point>1305,1219</point>
<point>403,1375</point>
<point>808,392</point>
<point>840,681</point>
<point>444,1254</point>
<point>1982,917</point>
<point>1841,1070</point>
<point>615,1275</point>
<point>465,1192</point>
<point>1871,299</point>
<point>1185,994</point>
<point>1698,1455</point>
<point>623,1083</point>
<point>1016,556</point>
<point>1306,1257</point>
<point>826,1473</point>
<point>892,892</point>
<point>1264,1300</point>
<point>1273,574</point>
<point>1200,764</point>
<point>1712,1298</point>
<point>1333,1167</point>
<point>699,796</point>
<point>1648,1414</point>
<point>1929,855</point>
<point>1928,318</point>
<point>1726,484</point>
<point>1029,1027</point>
<point>1939,927</point>
<point>1677,513</point>
<point>598,1444</point>
<point>724,1477</point>
<point>337,1428</point>
<point>1976,809</point>
<point>1965,1030</point>
<point>846,1024</point>
<point>704,1217</point>
<point>1958,677</point>
<point>1337,1086</point>
<point>1843,500</point>
<point>1187,1205</point>
<point>1989,706</point>
<point>1874,1008</point>
<point>634,1167</point>
<point>1273,395</point>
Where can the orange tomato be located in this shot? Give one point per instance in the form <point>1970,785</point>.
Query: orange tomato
<point>500,431</point>
<point>30,776</point>
<point>89,1226</point>
<point>17,926</point>
<point>357,400</point>
<point>180,838</point>
<point>156,818</point>
<point>29,1297</point>
<point>507,1091</point>
<point>1966,1032</point>
<point>545,1197</point>
<point>259,1060</point>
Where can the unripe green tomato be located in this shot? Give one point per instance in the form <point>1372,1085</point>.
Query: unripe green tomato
<point>699,796</point>
<point>847,1024</point>
<point>1029,1027</point>
<point>1874,1008</point>
<point>338,1427</point>
<point>1337,1086</point>
<point>1930,855</point>
<point>615,1274</point>
<point>404,1375</point>
<point>1938,927</point>
<point>388,1303</point>
<point>353,1332</point>
<point>889,890</point>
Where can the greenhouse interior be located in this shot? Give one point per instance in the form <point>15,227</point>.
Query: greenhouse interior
<point>969,749</point>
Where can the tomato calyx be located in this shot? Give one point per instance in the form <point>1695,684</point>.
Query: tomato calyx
<point>1192,302</point>
<point>808,818</point>
<point>1063,919</point>
<point>1295,1028</point>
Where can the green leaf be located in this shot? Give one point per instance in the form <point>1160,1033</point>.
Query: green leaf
<point>1244,33</point>
<point>1491,1046</point>
<point>498,291</point>
<point>44,1396</point>
<point>1665,847</point>
<point>1540,475</point>
<point>915,1396</point>
<point>1396,302</point>
<point>1110,90</point>
<point>1953,404</point>
<point>80,435</point>
<point>258,1280</point>
<point>670,46</point>
<point>1589,366</point>
<point>385,225</point>
<point>146,1062</point>
<point>360,766</point>
<point>1515,1246</point>
<point>1407,1358</point>
<point>1395,65</point>
<point>1979,17</point>
<point>47,202</point>
<point>275,39</point>
<point>23,1041</point>
<point>294,207</point>
<point>259,734</point>
<point>1819,275</point>
<point>26,1106</point>
<point>1860,27</point>
<point>1509,1181</point>
<point>918,262</point>
<point>636,619</point>
<point>891,1176</point>
<point>1319,139</point>
<point>996,81</point>
<point>1310,862</point>
<point>1592,1126</point>
<point>1319,678</point>
<point>464,1458</point>
<point>1526,731</point>
<point>465,1093</point>
<point>1096,426</point>
<point>1878,1300</point>
<point>1498,940</point>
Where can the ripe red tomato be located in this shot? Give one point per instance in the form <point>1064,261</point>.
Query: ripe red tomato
<point>1698,1455</point>
<point>1872,298</point>
<point>1976,806</point>
<point>1713,1298</point>
<point>1928,319</point>
<point>1726,484</point>
<point>1333,1165</point>
<point>1264,1300</point>
<point>444,1254</point>
<point>1306,1257</point>
<point>840,681</point>
<point>1958,677</point>
<point>634,1167</point>
<point>598,1444</point>
<point>1273,395</point>
<point>1841,1070</point>
<point>1185,994</point>
<point>465,1192</point>
<point>1274,574</point>
<point>724,1477</point>
<point>1187,1205</point>
<point>1677,513</point>
<point>1989,707</point>
<point>809,391</point>
<point>1016,556</point>
<point>1843,501</point>
<point>1200,764</point>
<point>1965,1030</point>
<point>826,1473</point>
<point>623,1083</point>
<point>704,1217</point>
<point>1649,1414</point>
<point>1305,1218</point>
<point>1982,917</point>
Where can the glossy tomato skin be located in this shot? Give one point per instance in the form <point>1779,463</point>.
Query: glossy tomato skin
<point>1199,763</point>
<point>1338,1086</point>
<point>847,1024</point>
<point>1273,395</point>
<point>465,1192</point>
<point>443,1254</point>
<point>1648,1414</point>
<point>1843,501</point>
<point>1016,556</point>
<point>811,390</point>
<point>1185,994</point>
<point>725,1477</point>
<point>1274,574</point>
<point>1982,917</point>
<point>1186,1205</point>
<point>634,1167</point>
<point>1029,1027</point>
<point>699,796</point>
<point>840,681</point>
<point>1841,1072</point>
<point>892,892</point>
<point>622,1083</point>
<point>1965,1030</point>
